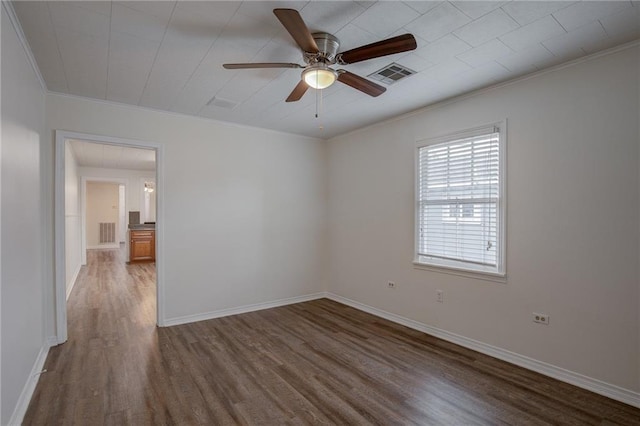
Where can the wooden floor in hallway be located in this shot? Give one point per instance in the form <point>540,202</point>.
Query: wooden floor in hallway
<point>317,362</point>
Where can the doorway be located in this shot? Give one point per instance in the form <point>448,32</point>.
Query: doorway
<point>102,219</point>
<point>100,163</point>
<point>99,209</point>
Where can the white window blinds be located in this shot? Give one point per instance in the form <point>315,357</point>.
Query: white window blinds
<point>458,202</point>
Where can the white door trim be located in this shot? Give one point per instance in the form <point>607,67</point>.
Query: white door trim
<point>60,282</point>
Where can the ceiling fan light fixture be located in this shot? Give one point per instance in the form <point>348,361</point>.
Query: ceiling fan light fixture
<point>319,50</point>
<point>319,76</point>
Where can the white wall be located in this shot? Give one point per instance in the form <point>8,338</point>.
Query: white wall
<point>72,219</point>
<point>148,211</point>
<point>244,208</point>
<point>122,213</point>
<point>133,179</point>
<point>572,217</point>
<point>22,234</point>
<point>102,207</point>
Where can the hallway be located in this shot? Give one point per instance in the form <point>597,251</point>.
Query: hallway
<point>101,371</point>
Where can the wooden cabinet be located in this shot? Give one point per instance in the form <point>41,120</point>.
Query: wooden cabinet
<point>142,245</point>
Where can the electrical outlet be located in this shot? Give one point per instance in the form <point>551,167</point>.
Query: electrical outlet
<point>391,284</point>
<point>439,296</point>
<point>541,318</point>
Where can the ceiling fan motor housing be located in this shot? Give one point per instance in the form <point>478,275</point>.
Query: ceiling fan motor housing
<point>328,46</point>
<point>320,52</point>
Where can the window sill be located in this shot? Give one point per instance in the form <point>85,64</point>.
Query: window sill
<point>467,273</point>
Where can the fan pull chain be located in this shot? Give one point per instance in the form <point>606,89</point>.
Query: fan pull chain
<point>317,112</point>
<point>319,107</point>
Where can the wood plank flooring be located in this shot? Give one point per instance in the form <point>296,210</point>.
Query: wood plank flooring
<point>318,362</point>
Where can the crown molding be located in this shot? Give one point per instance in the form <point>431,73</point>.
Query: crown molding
<point>11,13</point>
<point>183,115</point>
<point>482,90</point>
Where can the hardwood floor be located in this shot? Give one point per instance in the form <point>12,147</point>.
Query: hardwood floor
<point>315,362</point>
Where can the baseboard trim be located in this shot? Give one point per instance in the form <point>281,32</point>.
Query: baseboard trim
<point>104,246</point>
<point>30,386</point>
<point>242,309</point>
<point>73,281</point>
<point>594,385</point>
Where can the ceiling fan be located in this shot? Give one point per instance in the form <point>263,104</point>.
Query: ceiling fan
<point>320,50</point>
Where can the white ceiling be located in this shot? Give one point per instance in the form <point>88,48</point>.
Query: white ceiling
<point>89,154</point>
<point>168,55</point>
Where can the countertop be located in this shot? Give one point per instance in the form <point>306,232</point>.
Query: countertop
<point>143,226</point>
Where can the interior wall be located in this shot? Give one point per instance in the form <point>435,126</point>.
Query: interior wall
<point>122,214</point>
<point>149,209</point>
<point>243,209</point>
<point>101,207</point>
<point>22,239</point>
<point>572,220</point>
<point>133,179</point>
<point>72,219</point>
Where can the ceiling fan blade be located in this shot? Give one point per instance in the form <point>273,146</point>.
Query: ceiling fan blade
<point>293,22</point>
<point>298,92</point>
<point>360,83</point>
<point>386,47</point>
<point>261,65</point>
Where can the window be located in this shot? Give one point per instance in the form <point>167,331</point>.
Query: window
<point>460,201</point>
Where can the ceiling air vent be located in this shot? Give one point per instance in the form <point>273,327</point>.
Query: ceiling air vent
<point>222,103</point>
<point>391,73</point>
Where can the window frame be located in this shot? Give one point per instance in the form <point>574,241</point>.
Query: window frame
<point>460,267</point>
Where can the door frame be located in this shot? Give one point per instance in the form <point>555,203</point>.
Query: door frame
<point>60,300</point>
